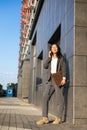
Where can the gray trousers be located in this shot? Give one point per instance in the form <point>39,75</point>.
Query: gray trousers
<point>50,88</point>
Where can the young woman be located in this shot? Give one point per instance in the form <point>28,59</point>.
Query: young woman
<point>55,62</point>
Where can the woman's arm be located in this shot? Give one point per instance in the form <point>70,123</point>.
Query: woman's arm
<point>46,64</point>
<point>63,64</point>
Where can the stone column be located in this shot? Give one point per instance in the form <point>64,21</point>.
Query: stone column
<point>19,90</point>
<point>25,79</point>
<point>80,63</point>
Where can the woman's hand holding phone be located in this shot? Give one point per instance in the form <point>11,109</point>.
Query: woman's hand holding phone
<point>49,54</point>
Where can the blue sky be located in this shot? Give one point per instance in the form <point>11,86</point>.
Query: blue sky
<point>10,15</point>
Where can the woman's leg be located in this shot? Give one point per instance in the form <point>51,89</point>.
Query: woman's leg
<point>49,90</point>
<point>59,101</point>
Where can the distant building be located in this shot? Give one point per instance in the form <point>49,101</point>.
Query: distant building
<point>44,22</point>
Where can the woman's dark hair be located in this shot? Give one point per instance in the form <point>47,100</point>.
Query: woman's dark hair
<point>59,54</point>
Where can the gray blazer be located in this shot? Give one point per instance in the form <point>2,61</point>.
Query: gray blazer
<point>61,65</point>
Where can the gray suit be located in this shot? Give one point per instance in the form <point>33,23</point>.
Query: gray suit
<point>50,88</point>
<point>61,65</point>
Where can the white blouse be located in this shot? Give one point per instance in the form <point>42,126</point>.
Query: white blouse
<point>54,65</point>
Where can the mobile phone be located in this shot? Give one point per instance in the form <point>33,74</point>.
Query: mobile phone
<point>51,54</point>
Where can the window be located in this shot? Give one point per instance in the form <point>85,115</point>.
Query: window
<point>55,38</point>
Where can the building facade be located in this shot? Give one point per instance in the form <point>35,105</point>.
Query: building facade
<point>64,22</point>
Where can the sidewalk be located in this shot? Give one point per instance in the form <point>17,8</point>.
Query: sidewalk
<point>16,114</point>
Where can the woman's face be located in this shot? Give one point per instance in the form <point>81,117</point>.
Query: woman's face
<point>54,49</point>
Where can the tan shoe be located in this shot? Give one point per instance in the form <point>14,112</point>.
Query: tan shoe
<point>57,121</point>
<point>44,120</point>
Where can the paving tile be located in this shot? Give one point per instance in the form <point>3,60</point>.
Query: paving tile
<point>20,129</point>
<point>4,128</point>
<point>24,117</point>
<point>12,128</point>
<point>27,129</point>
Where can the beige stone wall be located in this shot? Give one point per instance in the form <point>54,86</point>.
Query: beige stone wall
<point>23,81</point>
<point>19,90</point>
<point>25,78</point>
<point>80,59</point>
